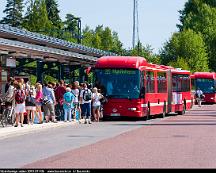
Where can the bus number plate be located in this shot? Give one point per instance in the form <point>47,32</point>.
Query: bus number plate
<point>115,114</point>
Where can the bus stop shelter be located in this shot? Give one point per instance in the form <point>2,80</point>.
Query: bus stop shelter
<point>19,47</point>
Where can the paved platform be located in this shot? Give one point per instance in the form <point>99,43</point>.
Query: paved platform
<point>10,131</point>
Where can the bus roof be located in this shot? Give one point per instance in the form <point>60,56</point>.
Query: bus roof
<point>208,75</point>
<point>134,62</point>
<point>121,62</point>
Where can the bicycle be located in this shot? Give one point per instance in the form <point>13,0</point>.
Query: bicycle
<point>8,114</point>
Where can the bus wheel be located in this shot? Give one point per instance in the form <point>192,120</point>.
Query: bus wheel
<point>183,111</point>
<point>163,115</point>
<point>148,114</point>
<point>192,103</point>
<point>105,118</point>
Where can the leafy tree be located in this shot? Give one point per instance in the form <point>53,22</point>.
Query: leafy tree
<point>13,11</point>
<point>117,46</point>
<point>188,46</point>
<point>88,36</point>
<point>180,63</point>
<point>106,39</point>
<point>101,38</point>
<point>96,42</point>
<point>200,16</point>
<point>192,8</point>
<point>144,51</point>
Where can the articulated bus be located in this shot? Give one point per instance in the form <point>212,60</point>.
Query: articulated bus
<point>136,88</point>
<point>206,81</point>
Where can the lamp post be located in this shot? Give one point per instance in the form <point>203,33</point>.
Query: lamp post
<point>79,32</point>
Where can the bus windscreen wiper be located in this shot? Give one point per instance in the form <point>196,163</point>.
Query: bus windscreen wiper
<point>114,95</point>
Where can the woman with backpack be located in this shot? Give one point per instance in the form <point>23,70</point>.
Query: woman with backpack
<point>68,104</point>
<point>19,104</point>
<point>85,98</point>
<point>30,104</point>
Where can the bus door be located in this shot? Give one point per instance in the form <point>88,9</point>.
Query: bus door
<point>169,90</point>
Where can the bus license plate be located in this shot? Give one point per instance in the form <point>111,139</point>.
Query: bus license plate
<point>115,115</point>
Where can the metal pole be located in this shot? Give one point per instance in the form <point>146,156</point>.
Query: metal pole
<point>134,24</point>
<point>79,31</point>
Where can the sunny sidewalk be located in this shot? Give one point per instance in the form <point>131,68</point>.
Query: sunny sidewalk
<point>10,131</point>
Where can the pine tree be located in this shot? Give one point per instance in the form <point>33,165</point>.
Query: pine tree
<point>13,11</point>
<point>53,13</point>
<point>36,18</point>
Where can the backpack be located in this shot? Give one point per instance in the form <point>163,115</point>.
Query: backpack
<point>19,96</point>
<point>87,95</point>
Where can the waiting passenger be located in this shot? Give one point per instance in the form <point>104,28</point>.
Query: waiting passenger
<point>85,98</point>
<point>68,104</point>
<point>96,96</point>
<point>199,96</point>
<point>20,104</point>
<point>49,103</point>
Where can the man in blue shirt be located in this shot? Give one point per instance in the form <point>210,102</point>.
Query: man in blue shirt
<point>49,106</point>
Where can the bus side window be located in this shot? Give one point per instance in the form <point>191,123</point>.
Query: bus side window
<point>150,82</point>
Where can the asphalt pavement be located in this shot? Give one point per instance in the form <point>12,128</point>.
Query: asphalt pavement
<point>186,141</point>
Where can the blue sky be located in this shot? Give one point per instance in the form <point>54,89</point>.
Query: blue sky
<point>157,18</point>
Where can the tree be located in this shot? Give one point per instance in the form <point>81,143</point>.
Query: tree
<point>144,51</point>
<point>88,36</point>
<point>71,27</point>
<point>13,11</point>
<point>188,46</point>
<point>101,38</point>
<point>53,13</point>
<point>200,16</point>
<point>106,39</point>
<point>96,42</point>
<point>36,18</point>
<point>192,8</point>
<point>117,46</point>
<point>180,63</point>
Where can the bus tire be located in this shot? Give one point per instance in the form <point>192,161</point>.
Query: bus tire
<point>183,111</point>
<point>163,115</point>
<point>148,117</point>
<point>192,103</point>
<point>105,118</point>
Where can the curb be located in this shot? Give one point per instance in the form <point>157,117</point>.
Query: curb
<point>10,131</point>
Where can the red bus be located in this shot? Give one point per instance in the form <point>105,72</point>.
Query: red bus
<point>135,88</point>
<point>206,81</point>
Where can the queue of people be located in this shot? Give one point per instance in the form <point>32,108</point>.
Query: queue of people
<point>58,101</point>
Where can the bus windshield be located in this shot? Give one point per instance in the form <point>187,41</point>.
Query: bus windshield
<point>206,85</point>
<point>118,83</point>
